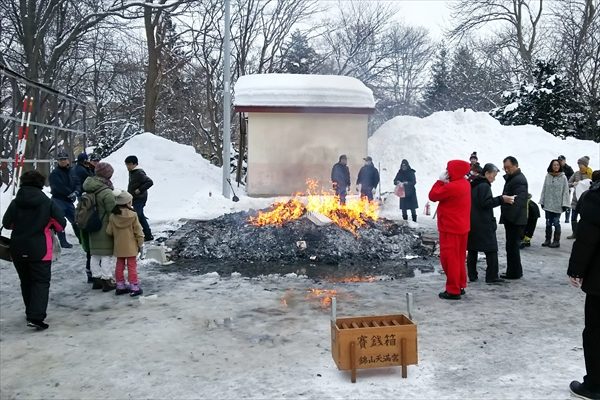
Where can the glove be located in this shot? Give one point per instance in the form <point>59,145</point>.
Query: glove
<point>444,176</point>
<point>72,196</point>
<point>136,191</point>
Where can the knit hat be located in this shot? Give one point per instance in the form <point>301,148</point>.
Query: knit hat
<point>585,160</point>
<point>122,197</point>
<point>82,157</point>
<point>104,170</point>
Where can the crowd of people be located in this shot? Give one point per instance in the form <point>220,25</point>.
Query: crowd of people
<point>465,221</point>
<point>467,225</point>
<point>111,245</point>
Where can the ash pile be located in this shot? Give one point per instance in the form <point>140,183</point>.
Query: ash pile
<point>231,238</point>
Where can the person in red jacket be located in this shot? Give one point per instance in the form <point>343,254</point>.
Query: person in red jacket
<point>453,192</point>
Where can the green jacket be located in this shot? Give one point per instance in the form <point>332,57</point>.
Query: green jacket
<point>101,244</point>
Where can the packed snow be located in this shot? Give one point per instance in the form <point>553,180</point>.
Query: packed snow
<point>296,90</point>
<point>211,336</point>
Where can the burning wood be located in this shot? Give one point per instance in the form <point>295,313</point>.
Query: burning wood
<point>350,216</point>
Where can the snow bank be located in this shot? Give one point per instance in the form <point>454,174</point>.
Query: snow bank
<point>185,184</point>
<point>296,90</point>
<point>428,144</point>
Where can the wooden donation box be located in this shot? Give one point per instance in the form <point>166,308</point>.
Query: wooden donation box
<point>373,342</point>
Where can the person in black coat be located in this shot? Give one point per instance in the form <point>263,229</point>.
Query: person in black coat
<point>80,172</point>
<point>340,178</point>
<point>513,215</point>
<point>31,215</point>
<point>482,236</point>
<point>139,183</point>
<point>64,194</point>
<point>368,179</point>
<point>584,272</point>
<point>568,170</point>
<point>406,177</point>
<point>533,214</point>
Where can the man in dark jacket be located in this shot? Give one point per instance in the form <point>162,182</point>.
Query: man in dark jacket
<point>368,178</point>
<point>139,183</point>
<point>584,272</point>
<point>513,214</point>
<point>568,170</point>
<point>64,194</point>
<point>31,216</point>
<point>340,178</point>
<point>80,172</point>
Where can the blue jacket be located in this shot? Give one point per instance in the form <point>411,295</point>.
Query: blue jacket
<point>368,177</point>
<point>340,174</point>
<point>61,184</point>
<point>79,173</point>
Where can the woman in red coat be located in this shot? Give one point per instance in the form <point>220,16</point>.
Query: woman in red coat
<point>453,192</point>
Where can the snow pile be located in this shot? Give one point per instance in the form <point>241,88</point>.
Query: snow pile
<point>428,144</point>
<point>185,184</point>
<point>296,90</point>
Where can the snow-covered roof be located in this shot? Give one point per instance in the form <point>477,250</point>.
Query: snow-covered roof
<point>296,90</point>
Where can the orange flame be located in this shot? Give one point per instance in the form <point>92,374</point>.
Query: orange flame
<point>324,296</point>
<point>350,216</point>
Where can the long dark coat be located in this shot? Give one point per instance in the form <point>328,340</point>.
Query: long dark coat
<point>482,236</point>
<point>585,256</point>
<point>515,213</point>
<point>409,201</point>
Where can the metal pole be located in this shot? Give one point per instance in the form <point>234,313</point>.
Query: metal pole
<point>409,304</point>
<point>226,100</point>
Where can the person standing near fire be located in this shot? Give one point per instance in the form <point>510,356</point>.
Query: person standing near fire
<point>406,177</point>
<point>340,178</point>
<point>368,179</point>
<point>453,192</point>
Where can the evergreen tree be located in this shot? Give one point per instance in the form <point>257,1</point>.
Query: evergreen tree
<point>437,94</point>
<point>468,82</point>
<point>299,57</point>
<point>549,102</point>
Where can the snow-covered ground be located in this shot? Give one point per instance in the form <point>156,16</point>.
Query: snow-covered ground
<point>214,336</point>
<point>230,337</point>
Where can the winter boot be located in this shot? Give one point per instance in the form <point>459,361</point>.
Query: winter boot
<point>122,288</point>
<point>548,236</point>
<point>97,283</point>
<point>574,228</point>
<point>62,238</point>
<point>108,285</point>
<point>135,290</point>
<point>556,241</point>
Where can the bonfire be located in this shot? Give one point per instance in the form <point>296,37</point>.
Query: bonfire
<point>350,216</point>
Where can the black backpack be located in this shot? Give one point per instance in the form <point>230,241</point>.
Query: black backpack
<point>87,216</point>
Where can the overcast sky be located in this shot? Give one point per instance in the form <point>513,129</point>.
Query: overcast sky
<point>431,14</point>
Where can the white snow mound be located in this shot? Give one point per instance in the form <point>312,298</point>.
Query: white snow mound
<point>429,143</point>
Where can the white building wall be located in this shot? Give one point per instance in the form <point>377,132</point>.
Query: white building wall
<point>286,149</point>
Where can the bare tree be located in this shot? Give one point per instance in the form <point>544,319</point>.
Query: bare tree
<point>356,44</point>
<point>577,30</point>
<point>521,20</point>
<point>410,50</point>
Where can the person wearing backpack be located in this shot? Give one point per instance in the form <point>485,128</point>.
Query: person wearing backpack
<point>101,244</point>
<point>125,228</point>
<point>79,173</point>
<point>139,183</point>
